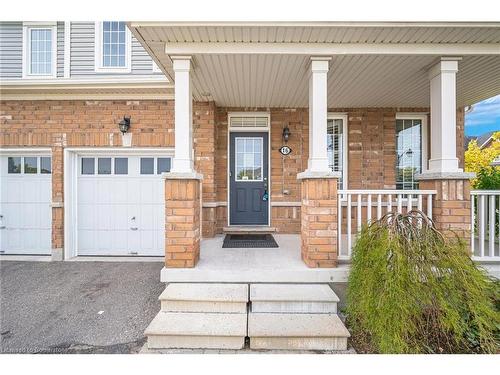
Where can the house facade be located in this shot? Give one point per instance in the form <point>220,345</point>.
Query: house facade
<point>302,129</point>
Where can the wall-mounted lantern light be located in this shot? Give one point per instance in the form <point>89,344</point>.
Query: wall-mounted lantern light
<point>286,133</point>
<point>124,125</point>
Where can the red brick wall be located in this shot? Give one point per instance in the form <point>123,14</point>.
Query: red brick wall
<point>59,124</point>
<point>371,155</point>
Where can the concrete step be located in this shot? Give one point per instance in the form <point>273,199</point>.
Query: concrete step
<point>297,331</point>
<point>197,331</point>
<point>212,298</point>
<point>293,298</point>
<point>248,229</point>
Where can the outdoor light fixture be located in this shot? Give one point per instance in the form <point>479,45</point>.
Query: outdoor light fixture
<point>124,124</point>
<point>286,133</point>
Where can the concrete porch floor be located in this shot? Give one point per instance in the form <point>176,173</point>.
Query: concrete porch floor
<point>257,265</point>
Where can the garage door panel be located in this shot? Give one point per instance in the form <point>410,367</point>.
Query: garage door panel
<point>128,212</point>
<point>25,204</point>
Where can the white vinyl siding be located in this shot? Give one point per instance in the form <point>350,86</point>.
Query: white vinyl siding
<point>11,50</point>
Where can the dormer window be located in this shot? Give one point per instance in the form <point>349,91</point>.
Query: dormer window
<point>112,47</point>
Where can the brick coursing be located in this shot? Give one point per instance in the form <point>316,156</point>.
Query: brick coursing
<point>451,206</point>
<point>318,222</point>
<point>182,212</point>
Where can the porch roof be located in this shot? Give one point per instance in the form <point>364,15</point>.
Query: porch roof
<point>373,64</point>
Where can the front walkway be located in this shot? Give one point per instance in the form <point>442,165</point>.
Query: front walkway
<point>77,307</point>
<point>266,265</point>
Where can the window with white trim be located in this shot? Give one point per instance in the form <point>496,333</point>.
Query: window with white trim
<point>409,150</point>
<point>112,47</point>
<point>40,50</point>
<point>336,147</point>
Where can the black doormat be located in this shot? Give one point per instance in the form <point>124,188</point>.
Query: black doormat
<point>249,240</point>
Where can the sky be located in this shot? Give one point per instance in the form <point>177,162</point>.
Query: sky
<point>484,117</point>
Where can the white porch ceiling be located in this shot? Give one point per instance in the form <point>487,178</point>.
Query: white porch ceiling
<point>355,80</point>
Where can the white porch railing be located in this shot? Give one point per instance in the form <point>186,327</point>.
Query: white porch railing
<point>359,207</point>
<point>485,218</point>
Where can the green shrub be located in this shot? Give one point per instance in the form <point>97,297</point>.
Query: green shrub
<point>488,179</point>
<point>412,291</point>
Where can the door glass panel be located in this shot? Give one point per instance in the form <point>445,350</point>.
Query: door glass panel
<point>162,165</point>
<point>248,158</point>
<point>121,165</point>
<point>14,165</point>
<point>87,165</point>
<point>45,164</point>
<point>30,164</point>
<point>104,165</point>
<point>147,165</point>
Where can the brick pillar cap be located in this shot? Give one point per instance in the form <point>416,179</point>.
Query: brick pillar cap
<point>312,174</point>
<point>444,176</point>
<point>182,176</point>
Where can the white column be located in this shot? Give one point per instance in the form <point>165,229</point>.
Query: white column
<point>183,156</point>
<point>443,158</point>
<point>318,108</point>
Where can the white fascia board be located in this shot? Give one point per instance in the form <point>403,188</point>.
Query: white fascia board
<point>137,34</point>
<point>326,49</point>
<point>118,81</point>
<point>310,24</point>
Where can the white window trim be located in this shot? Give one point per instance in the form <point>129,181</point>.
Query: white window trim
<point>343,117</point>
<point>155,68</point>
<point>27,26</point>
<point>425,135</point>
<point>98,67</point>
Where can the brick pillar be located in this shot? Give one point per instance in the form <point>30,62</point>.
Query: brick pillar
<point>319,222</point>
<point>57,203</point>
<point>451,206</point>
<point>182,231</point>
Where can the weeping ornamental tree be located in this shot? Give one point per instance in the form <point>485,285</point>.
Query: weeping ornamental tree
<point>413,291</point>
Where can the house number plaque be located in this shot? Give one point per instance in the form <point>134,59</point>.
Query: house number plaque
<point>285,150</point>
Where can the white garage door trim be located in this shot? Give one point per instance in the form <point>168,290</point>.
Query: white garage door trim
<point>35,152</point>
<point>71,157</point>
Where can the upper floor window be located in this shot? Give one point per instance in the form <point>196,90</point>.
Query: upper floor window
<point>40,50</point>
<point>411,150</point>
<point>337,146</point>
<point>112,47</point>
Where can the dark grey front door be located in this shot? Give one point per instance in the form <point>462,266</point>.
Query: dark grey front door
<point>248,178</point>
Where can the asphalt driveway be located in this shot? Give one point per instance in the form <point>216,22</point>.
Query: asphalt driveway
<point>77,307</point>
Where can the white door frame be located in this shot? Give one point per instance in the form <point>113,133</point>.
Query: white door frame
<point>248,129</point>
<point>71,155</point>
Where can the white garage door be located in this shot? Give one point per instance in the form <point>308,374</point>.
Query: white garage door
<point>25,199</point>
<point>121,205</point>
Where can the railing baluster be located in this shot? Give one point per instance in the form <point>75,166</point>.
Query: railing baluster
<point>369,209</point>
<point>491,234</point>
<point>389,203</point>
<point>409,203</point>
<point>429,205</point>
<point>359,212</point>
<point>400,204</point>
<point>339,222</point>
<point>379,206</point>
<point>348,218</point>
<point>480,219</point>
<point>473,224</point>
<point>419,204</point>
